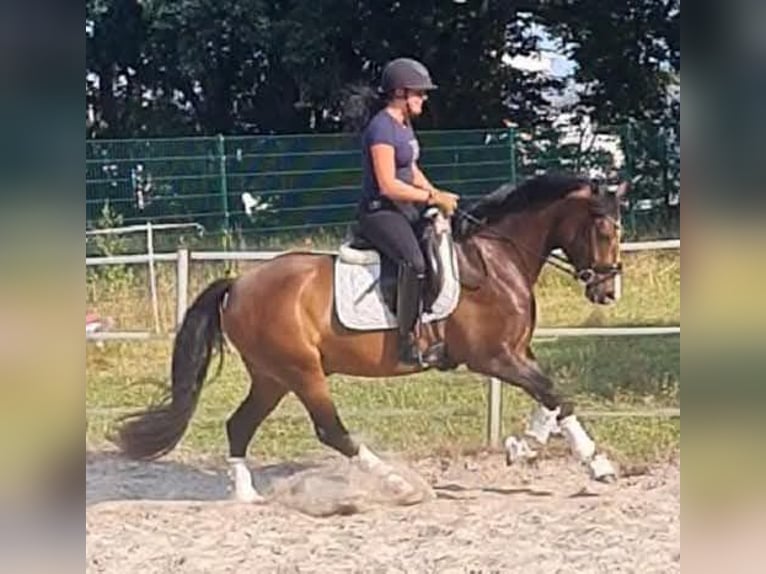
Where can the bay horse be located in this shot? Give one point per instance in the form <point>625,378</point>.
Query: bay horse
<point>279,317</point>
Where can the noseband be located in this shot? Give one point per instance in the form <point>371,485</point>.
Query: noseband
<point>596,274</point>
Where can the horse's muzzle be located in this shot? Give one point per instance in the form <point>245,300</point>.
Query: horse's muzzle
<point>599,282</point>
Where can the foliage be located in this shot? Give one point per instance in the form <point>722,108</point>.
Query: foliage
<point>172,67</point>
<point>628,54</point>
<point>228,67</point>
<point>108,279</point>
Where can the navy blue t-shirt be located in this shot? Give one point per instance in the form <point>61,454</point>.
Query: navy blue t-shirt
<point>383,128</point>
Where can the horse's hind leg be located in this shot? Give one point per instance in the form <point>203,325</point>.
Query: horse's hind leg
<point>310,385</point>
<point>265,394</point>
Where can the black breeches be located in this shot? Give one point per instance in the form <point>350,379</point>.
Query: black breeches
<point>391,232</point>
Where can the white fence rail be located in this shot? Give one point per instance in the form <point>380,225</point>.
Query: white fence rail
<point>667,244</point>
<point>494,395</point>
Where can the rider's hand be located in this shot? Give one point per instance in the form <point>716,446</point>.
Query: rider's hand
<point>446,201</point>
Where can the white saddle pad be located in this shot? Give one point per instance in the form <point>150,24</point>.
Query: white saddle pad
<point>360,306</point>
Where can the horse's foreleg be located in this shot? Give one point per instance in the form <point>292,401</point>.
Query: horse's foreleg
<point>263,397</point>
<point>552,413</point>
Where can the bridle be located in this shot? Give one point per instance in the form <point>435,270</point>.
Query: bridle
<point>590,276</point>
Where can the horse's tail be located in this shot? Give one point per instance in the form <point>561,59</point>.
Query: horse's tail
<point>157,430</point>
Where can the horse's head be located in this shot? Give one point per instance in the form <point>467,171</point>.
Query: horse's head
<point>590,237</point>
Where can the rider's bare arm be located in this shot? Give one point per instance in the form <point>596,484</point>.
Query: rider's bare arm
<point>419,178</point>
<point>385,173</point>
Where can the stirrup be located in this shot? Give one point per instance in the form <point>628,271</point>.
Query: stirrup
<point>435,355</point>
<point>409,352</point>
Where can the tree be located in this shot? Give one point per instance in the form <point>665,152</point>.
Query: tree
<point>115,31</point>
<point>184,67</point>
<point>628,53</point>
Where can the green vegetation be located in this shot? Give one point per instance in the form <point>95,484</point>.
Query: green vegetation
<point>431,412</point>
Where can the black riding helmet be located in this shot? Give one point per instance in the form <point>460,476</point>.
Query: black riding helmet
<point>405,73</point>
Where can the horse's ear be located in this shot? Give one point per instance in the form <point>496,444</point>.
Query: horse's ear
<point>584,191</point>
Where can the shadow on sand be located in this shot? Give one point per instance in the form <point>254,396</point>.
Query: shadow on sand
<point>322,488</point>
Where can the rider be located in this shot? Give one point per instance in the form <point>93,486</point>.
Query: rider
<point>396,193</point>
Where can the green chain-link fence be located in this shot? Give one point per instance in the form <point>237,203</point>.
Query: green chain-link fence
<point>247,190</point>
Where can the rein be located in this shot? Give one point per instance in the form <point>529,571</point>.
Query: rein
<point>592,275</point>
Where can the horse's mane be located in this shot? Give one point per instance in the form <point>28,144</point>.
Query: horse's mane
<point>530,194</point>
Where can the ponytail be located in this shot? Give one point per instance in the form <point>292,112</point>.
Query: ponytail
<point>360,103</point>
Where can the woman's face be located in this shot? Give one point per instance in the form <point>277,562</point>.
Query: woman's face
<point>411,101</point>
<point>415,100</point>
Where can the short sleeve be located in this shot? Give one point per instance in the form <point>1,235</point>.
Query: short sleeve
<point>380,131</point>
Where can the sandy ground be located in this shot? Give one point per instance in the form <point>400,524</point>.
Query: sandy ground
<point>326,516</point>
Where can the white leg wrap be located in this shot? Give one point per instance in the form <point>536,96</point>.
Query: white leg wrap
<point>369,462</point>
<point>601,468</point>
<point>243,481</point>
<point>582,445</point>
<point>542,424</point>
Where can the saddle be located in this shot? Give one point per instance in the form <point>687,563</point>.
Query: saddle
<point>358,250</point>
<point>366,280</point>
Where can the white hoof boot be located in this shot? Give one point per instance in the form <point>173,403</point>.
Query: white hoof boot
<point>369,462</point>
<point>248,496</point>
<point>543,423</point>
<point>244,491</point>
<point>517,450</point>
<point>581,444</point>
<point>601,469</point>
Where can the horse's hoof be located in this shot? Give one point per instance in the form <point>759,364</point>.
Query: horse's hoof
<point>607,479</point>
<point>518,450</point>
<point>248,497</point>
<point>602,470</point>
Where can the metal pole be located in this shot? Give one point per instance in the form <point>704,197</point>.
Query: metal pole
<point>182,285</point>
<point>628,152</point>
<point>152,276</point>
<point>495,410</point>
<point>512,143</point>
<point>618,277</point>
<point>224,190</point>
<point>629,168</point>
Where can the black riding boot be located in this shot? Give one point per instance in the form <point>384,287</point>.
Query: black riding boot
<point>407,313</point>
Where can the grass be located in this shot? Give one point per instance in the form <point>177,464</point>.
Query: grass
<point>419,414</point>
<point>427,413</point>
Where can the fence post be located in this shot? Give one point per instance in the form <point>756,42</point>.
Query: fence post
<point>512,155</point>
<point>224,190</point>
<point>629,135</point>
<point>495,411</point>
<point>152,275</point>
<point>182,285</point>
